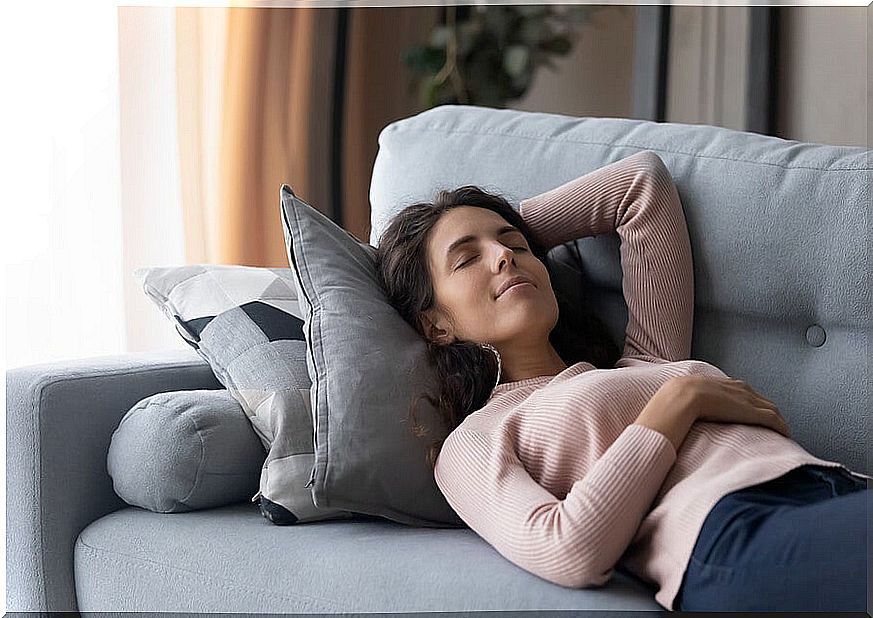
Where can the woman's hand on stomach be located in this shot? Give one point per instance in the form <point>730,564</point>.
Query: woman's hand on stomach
<point>726,400</point>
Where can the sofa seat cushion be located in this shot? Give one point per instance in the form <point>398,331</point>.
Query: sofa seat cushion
<point>230,559</point>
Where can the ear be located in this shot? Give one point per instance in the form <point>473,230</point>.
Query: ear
<point>436,327</point>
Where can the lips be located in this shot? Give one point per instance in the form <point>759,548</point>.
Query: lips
<point>511,282</point>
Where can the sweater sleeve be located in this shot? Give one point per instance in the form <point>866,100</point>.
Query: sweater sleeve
<point>636,198</point>
<point>572,542</point>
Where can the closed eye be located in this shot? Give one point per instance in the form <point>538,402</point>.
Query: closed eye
<point>462,264</point>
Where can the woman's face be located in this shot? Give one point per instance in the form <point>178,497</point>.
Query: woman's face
<point>467,277</point>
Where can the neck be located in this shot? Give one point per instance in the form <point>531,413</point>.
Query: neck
<point>520,361</point>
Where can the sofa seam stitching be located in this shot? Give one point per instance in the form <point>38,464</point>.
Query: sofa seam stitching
<point>198,474</point>
<point>153,565</point>
<point>631,145</point>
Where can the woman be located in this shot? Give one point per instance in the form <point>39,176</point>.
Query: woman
<point>652,463</point>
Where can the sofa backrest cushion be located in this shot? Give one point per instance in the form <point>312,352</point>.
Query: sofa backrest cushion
<point>778,228</point>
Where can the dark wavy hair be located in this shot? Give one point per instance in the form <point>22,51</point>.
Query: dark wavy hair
<point>465,370</point>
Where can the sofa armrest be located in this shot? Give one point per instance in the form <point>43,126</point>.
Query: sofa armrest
<point>59,420</point>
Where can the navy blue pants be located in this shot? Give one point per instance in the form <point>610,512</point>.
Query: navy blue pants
<point>795,543</point>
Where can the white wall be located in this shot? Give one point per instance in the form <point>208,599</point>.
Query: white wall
<point>61,214</point>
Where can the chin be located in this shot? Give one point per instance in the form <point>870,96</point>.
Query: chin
<point>532,319</point>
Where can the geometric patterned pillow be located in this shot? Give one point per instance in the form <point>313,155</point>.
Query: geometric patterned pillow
<point>246,323</point>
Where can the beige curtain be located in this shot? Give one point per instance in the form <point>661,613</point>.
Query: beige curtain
<point>255,88</point>
<point>200,47</point>
<point>252,84</point>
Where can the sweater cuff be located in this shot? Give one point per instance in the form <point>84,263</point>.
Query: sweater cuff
<point>640,448</point>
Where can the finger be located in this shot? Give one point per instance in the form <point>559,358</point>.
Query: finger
<point>781,424</point>
<point>787,428</point>
<point>773,420</point>
<point>768,403</point>
<point>779,414</point>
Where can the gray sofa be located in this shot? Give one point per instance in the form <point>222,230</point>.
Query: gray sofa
<point>779,236</point>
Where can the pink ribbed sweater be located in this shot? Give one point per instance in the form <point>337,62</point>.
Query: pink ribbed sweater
<point>552,471</point>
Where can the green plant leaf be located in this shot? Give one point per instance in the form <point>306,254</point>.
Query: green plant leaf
<point>439,36</point>
<point>411,57</point>
<point>522,82</point>
<point>559,45</point>
<point>515,59</point>
<point>499,50</point>
<point>425,59</point>
<point>533,31</point>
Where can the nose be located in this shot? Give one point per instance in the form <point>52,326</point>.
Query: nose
<point>504,254</point>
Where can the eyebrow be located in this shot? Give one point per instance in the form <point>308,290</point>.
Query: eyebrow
<point>469,238</point>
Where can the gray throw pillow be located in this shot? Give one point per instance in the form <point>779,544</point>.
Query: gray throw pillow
<point>366,364</point>
<point>184,450</point>
<point>245,322</point>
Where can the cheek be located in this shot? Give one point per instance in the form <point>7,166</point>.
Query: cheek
<point>462,296</point>
<point>543,275</point>
<point>472,293</point>
<point>471,302</point>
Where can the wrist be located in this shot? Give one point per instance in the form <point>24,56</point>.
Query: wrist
<point>671,412</point>
<point>680,394</point>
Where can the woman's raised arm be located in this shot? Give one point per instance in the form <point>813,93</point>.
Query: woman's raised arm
<point>636,198</point>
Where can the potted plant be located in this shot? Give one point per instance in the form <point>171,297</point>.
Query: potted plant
<point>489,55</point>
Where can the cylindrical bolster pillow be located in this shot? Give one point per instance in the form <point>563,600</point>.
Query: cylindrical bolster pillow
<point>185,450</point>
